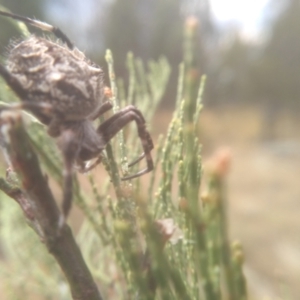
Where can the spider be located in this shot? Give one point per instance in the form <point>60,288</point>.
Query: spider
<point>64,90</point>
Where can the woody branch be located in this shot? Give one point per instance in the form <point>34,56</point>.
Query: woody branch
<point>39,207</point>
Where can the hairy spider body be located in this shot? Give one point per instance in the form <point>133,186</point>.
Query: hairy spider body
<point>64,90</point>
<point>51,73</point>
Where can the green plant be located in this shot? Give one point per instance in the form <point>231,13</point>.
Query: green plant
<point>141,240</point>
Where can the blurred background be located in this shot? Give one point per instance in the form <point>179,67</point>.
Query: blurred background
<point>250,51</point>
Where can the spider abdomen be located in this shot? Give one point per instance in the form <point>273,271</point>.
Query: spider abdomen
<point>51,73</point>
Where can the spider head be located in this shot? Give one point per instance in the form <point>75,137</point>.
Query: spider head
<point>80,142</point>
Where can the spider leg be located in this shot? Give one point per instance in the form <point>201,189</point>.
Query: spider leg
<point>137,160</point>
<point>114,124</point>
<point>69,145</point>
<point>103,108</point>
<point>42,25</point>
<point>53,128</point>
<point>87,168</point>
<point>44,107</point>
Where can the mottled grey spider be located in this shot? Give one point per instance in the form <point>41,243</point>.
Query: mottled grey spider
<point>64,90</point>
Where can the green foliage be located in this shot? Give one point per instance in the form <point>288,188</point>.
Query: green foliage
<point>127,233</point>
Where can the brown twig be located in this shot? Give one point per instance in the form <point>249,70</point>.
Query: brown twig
<point>40,209</point>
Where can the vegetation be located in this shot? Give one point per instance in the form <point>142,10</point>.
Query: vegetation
<point>170,242</point>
